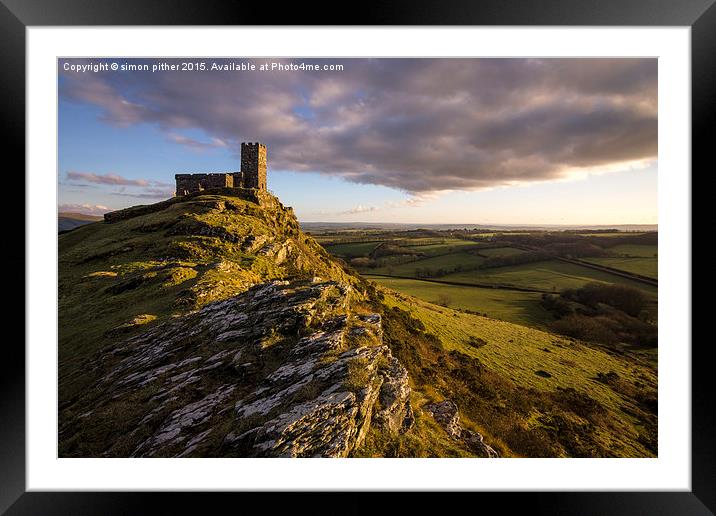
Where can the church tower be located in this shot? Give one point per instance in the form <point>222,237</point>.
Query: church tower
<point>253,165</point>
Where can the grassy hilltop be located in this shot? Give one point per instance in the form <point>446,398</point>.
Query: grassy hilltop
<point>114,278</point>
<point>211,325</point>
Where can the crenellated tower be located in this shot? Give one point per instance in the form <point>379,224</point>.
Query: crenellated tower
<point>253,165</point>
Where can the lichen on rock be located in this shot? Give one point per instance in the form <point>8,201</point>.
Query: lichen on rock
<point>206,384</point>
<point>446,414</point>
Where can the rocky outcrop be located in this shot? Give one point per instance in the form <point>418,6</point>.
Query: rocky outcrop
<point>396,414</point>
<point>446,414</point>
<point>284,369</point>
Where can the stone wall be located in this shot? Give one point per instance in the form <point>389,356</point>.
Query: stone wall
<point>192,183</point>
<point>238,179</point>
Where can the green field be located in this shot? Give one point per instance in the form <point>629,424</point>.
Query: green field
<point>550,275</point>
<point>642,251</point>
<point>617,234</point>
<point>451,254</point>
<point>352,250</point>
<point>644,266</point>
<point>508,305</point>
<point>439,248</point>
<point>634,258</point>
<point>500,251</point>
<point>424,241</point>
<point>447,261</point>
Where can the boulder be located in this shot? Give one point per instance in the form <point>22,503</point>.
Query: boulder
<point>446,414</point>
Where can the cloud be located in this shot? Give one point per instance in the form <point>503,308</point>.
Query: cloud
<point>414,200</point>
<point>417,125</point>
<point>147,193</point>
<point>109,179</point>
<point>196,144</point>
<point>136,188</point>
<point>411,202</point>
<point>87,209</point>
<point>358,209</point>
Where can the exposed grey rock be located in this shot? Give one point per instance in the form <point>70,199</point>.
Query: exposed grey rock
<point>396,413</point>
<point>322,427</point>
<point>330,424</point>
<point>446,414</point>
<point>276,371</point>
<point>181,422</point>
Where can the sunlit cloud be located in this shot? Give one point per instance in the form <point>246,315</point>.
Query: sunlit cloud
<point>359,209</point>
<point>109,179</point>
<point>194,144</point>
<point>146,193</point>
<point>86,209</point>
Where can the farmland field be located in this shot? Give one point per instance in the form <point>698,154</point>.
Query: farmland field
<point>448,261</point>
<point>432,249</point>
<point>644,266</point>
<point>443,267</point>
<point>637,259</point>
<point>617,234</point>
<point>644,251</point>
<point>550,275</point>
<point>352,249</point>
<point>517,307</point>
<point>500,251</point>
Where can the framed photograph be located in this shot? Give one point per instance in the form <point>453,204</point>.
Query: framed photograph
<point>422,255</point>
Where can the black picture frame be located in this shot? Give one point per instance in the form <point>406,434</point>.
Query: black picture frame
<point>16,15</point>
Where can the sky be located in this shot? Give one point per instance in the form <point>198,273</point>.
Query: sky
<point>475,141</point>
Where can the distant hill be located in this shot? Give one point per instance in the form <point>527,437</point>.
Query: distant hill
<point>210,325</point>
<point>68,220</point>
<point>319,227</point>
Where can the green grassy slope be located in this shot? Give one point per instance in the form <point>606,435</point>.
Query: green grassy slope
<point>538,394</point>
<point>508,305</point>
<point>114,278</point>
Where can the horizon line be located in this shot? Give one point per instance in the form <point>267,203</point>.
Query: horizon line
<point>486,224</point>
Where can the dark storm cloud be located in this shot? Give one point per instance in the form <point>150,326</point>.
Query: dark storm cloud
<point>419,125</point>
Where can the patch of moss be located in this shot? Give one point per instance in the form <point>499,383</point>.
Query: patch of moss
<point>358,375</point>
<point>178,275</point>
